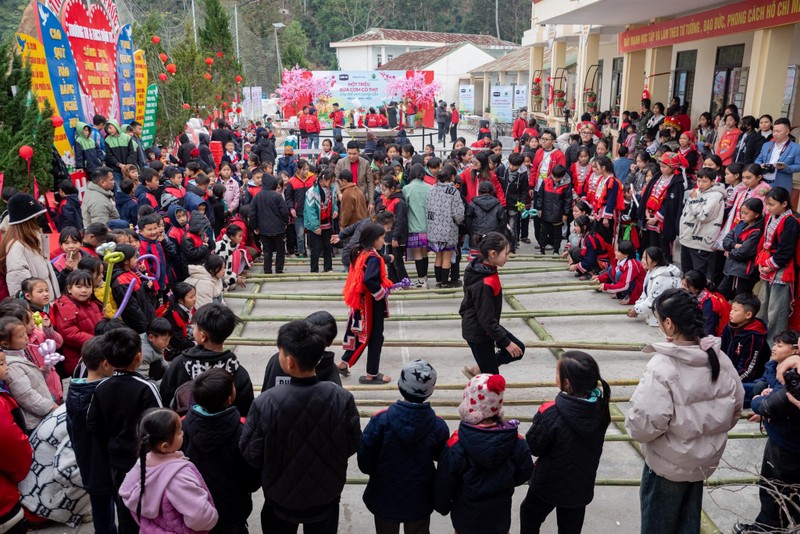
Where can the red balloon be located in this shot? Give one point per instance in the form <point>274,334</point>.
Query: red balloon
<point>156,39</point>
<point>209,61</point>
<point>218,97</point>
<point>162,77</point>
<point>186,106</point>
<point>163,57</point>
<point>25,152</point>
<point>57,121</point>
<point>220,54</point>
<point>207,76</point>
<point>171,68</point>
<point>238,79</point>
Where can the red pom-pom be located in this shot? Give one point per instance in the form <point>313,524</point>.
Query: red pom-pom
<point>25,152</point>
<point>220,54</point>
<point>171,68</point>
<point>156,39</point>
<point>496,384</point>
<point>238,79</point>
<point>186,106</point>
<point>164,57</point>
<point>209,61</point>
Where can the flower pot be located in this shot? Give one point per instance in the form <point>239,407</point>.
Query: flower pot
<point>559,93</point>
<point>591,98</point>
<point>536,91</point>
<point>561,103</point>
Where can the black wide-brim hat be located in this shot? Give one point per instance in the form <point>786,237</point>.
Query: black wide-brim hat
<point>23,207</point>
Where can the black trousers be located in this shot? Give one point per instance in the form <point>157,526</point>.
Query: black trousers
<point>321,244</point>
<point>453,133</point>
<point>127,525</point>
<point>551,235</point>
<point>534,511</point>
<point>782,468</point>
<point>693,259</point>
<point>103,513</point>
<point>735,285</point>
<point>272,524</point>
<point>442,131</point>
<point>291,239</point>
<point>397,269</point>
<point>270,244</point>
<point>489,358</point>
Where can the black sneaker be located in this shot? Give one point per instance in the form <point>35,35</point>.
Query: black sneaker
<point>747,528</point>
<point>456,283</point>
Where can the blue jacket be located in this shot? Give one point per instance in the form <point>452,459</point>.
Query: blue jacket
<point>287,165</point>
<point>622,168</point>
<point>477,474</point>
<point>398,449</point>
<point>781,419</point>
<point>790,156</point>
<point>127,206</point>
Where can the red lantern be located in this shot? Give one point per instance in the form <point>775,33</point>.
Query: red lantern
<point>230,110</point>
<point>163,57</point>
<point>207,76</point>
<point>220,54</point>
<point>224,104</point>
<point>162,77</point>
<point>238,110</point>
<point>209,61</point>
<point>238,79</point>
<point>186,106</point>
<point>171,68</point>
<point>25,152</point>
<point>156,39</point>
<point>57,121</point>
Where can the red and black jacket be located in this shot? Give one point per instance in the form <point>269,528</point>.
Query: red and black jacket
<point>483,302</point>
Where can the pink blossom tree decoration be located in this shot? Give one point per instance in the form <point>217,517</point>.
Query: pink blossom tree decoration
<point>300,85</point>
<point>414,88</point>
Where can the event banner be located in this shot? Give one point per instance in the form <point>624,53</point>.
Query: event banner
<point>466,99</point>
<point>366,87</point>
<point>520,96</point>
<point>745,16</point>
<point>247,108</point>
<point>32,51</point>
<point>140,70</point>
<point>256,95</point>
<point>126,75</point>
<point>501,102</point>
<point>150,108</point>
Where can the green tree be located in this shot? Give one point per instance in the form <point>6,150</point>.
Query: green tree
<point>23,124</point>
<point>294,44</point>
<point>216,33</point>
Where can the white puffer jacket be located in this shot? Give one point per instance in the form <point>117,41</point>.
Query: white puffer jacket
<point>679,415</point>
<point>701,220</point>
<point>656,282</point>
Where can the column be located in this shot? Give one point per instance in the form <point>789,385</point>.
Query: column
<point>768,60</point>
<point>384,59</point>
<point>632,80</point>
<point>558,60</point>
<point>370,58</point>
<point>588,55</point>
<point>487,88</point>
<point>657,62</point>
<point>536,64</point>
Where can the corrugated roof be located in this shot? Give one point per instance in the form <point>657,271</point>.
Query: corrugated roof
<point>517,60</point>
<point>383,34</point>
<point>421,58</point>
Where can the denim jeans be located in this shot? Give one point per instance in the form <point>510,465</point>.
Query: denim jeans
<point>669,507</point>
<point>336,131</point>
<point>300,231</point>
<point>313,140</point>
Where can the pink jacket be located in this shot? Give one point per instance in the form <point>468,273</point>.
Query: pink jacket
<point>232,194</point>
<point>36,338</point>
<point>176,500</point>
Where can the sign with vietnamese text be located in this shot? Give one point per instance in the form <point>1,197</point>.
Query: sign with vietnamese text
<point>466,99</point>
<point>140,74</point>
<point>149,123</point>
<point>126,75</point>
<point>501,102</point>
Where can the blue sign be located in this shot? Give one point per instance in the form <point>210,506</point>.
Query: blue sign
<point>126,78</point>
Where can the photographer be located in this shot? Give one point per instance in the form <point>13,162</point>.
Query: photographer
<point>782,153</point>
<point>779,410</point>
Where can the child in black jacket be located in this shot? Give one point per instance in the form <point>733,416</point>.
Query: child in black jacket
<point>269,215</point>
<point>138,309</point>
<point>485,213</point>
<point>211,433</point>
<point>394,201</point>
<point>514,179</point>
<point>554,202</point>
<point>567,439</point>
<point>485,459</point>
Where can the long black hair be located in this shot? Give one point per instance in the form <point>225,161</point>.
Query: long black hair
<point>584,377</point>
<point>179,292</point>
<point>157,425</point>
<point>493,241</point>
<point>682,309</point>
<point>369,234</point>
<point>656,255</point>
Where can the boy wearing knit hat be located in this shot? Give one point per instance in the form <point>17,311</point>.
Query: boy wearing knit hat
<point>484,461</point>
<point>398,448</point>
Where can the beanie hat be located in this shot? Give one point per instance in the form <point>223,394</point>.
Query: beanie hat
<point>23,207</point>
<point>417,379</point>
<point>483,398</point>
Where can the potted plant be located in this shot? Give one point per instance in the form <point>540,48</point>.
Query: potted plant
<point>536,88</point>
<point>592,107</point>
<point>559,93</point>
<point>590,95</point>
<point>561,102</point>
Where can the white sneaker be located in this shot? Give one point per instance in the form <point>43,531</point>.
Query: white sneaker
<point>421,283</point>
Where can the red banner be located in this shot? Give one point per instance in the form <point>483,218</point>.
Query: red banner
<point>743,16</point>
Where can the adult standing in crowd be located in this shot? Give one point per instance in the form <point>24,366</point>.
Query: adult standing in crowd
<point>454,118</point>
<point>222,134</point>
<point>520,124</point>
<point>359,166</point>
<point>442,120</point>
<point>22,253</point>
<point>337,119</point>
<point>587,142</point>
<point>644,118</point>
<point>748,147</point>
<point>781,152</point>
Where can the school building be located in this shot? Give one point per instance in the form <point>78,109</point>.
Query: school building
<point>605,54</point>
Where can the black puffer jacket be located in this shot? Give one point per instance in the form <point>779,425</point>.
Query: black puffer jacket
<point>515,185</point>
<point>191,252</point>
<point>567,438</point>
<point>268,209</point>
<point>476,477</point>
<point>301,434</point>
<point>485,214</point>
<point>85,445</point>
<point>483,302</point>
<point>212,444</point>
<point>554,200</point>
<point>274,375</point>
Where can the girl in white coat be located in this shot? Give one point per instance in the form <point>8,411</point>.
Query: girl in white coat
<point>660,276</point>
<point>687,400</point>
<point>207,280</point>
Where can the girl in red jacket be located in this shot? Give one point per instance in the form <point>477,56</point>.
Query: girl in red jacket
<point>625,279</point>
<point>479,172</point>
<point>75,314</point>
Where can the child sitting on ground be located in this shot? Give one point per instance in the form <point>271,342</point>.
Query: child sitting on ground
<point>178,499</point>
<point>744,338</point>
<point>398,449</point>
<point>716,309</point>
<point>593,254</point>
<point>783,346</point>
<point>625,279</point>
<point>325,324</point>
<point>207,280</point>
<point>474,487</point>
<point>211,433</point>
<point>229,247</point>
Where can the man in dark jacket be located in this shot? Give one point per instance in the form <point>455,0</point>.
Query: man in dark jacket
<point>442,120</point>
<point>587,142</point>
<point>265,149</point>
<point>301,434</point>
<point>269,215</point>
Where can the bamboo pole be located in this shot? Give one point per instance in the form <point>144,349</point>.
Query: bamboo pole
<point>627,482</point>
<point>450,316</point>
<point>457,343</point>
<point>317,277</point>
<point>459,387</point>
<point>378,403</point>
<point>247,309</point>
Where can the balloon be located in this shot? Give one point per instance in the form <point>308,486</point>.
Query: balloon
<point>163,57</point>
<point>238,79</point>
<point>186,106</point>
<point>162,77</point>
<point>156,39</point>
<point>229,110</point>
<point>25,152</point>
<point>209,61</point>
<point>207,76</point>
<point>57,121</point>
<point>171,68</point>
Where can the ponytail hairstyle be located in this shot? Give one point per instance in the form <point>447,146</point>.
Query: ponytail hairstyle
<point>656,255</point>
<point>755,205</point>
<point>755,170</point>
<point>583,223</point>
<point>695,280</point>
<point>369,234</point>
<point>391,183</point>
<point>683,310</point>
<point>128,253</point>
<point>179,292</point>
<point>583,375</point>
<point>493,241</point>
<point>583,207</point>
<point>446,174</point>
<point>213,264</point>
<point>781,196</point>
<point>627,248</point>
<point>157,426</point>
<point>604,162</point>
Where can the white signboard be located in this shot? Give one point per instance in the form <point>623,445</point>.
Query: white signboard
<point>501,103</point>
<point>520,96</point>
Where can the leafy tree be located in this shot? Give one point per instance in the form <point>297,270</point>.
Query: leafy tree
<point>216,33</point>
<point>23,124</point>
<point>294,44</point>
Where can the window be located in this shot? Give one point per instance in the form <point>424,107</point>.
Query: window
<point>616,80</point>
<point>683,80</point>
<point>389,57</point>
<point>789,92</point>
<point>730,78</point>
<point>380,57</point>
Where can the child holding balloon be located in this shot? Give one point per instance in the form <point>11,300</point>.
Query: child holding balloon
<point>126,289</point>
